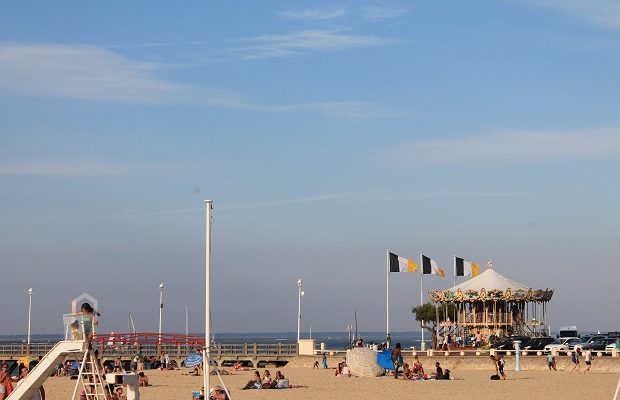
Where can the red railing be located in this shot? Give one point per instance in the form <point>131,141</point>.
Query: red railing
<point>145,338</point>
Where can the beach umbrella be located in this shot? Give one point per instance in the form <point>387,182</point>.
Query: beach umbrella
<point>192,360</point>
<point>362,361</point>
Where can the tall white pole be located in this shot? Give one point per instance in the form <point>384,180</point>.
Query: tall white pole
<point>454,270</point>
<point>161,310</point>
<point>387,292</point>
<point>186,323</point>
<point>299,284</point>
<point>29,318</point>
<point>422,344</point>
<point>206,357</point>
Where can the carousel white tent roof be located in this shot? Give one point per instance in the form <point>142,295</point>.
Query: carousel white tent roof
<point>489,280</point>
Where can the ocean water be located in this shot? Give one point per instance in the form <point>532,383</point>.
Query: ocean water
<point>332,340</point>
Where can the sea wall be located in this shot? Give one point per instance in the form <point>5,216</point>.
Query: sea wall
<point>481,363</point>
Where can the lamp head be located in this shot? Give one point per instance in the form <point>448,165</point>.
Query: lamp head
<point>299,283</point>
<point>30,291</point>
<point>302,294</point>
<point>161,286</point>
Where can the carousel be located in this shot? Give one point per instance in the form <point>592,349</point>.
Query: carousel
<point>495,306</point>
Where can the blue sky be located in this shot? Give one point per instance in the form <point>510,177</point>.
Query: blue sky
<point>325,133</point>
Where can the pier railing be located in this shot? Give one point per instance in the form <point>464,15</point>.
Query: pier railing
<point>219,350</point>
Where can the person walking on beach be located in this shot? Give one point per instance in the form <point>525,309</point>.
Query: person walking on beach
<point>500,366</point>
<point>588,359</point>
<point>499,363</point>
<point>388,341</point>
<point>324,361</point>
<point>551,362</point>
<point>575,360</point>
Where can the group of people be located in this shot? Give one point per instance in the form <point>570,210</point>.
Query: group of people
<point>342,370</point>
<point>577,364</point>
<point>266,381</point>
<point>6,382</point>
<point>415,371</point>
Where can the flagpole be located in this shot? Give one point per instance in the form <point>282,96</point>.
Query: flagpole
<point>422,344</point>
<point>454,270</point>
<point>206,357</point>
<point>387,292</point>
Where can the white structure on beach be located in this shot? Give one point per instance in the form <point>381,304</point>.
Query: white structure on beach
<point>496,305</point>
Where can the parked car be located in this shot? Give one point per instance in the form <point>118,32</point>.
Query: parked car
<point>538,343</point>
<point>610,347</point>
<point>562,344</point>
<point>598,344</point>
<point>508,343</point>
<point>587,340</point>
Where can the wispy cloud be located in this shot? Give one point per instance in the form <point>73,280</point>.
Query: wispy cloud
<point>92,73</point>
<point>75,169</point>
<point>515,147</point>
<point>96,74</point>
<point>602,12</point>
<point>379,12</point>
<point>314,14</point>
<point>81,72</point>
<point>297,42</point>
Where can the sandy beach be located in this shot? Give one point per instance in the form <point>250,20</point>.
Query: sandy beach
<point>322,384</point>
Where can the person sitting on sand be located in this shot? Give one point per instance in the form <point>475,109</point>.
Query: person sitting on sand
<point>345,370</point>
<point>217,393</point>
<point>316,364</point>
<point>266,379</point>
<point>254,383</point>
<point>143,380</point>
<point>338,369</point>
<point>407,373</point>
<point>439,371</point>
<point>119,393</point>
<point>417,366</point>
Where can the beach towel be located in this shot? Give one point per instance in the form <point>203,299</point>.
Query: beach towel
<point>282,384</point>
<point>192,360</point>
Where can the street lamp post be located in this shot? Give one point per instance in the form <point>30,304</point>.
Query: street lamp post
<point>161,309</point>
<point>300,295</point>
<point>29,319</point>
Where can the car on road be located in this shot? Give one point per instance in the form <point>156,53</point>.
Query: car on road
<point>586,340</point>
<point>508,343</point>
<point>562,344</point>
<point>538,343</point>
<point>598,344</point>
<point>610,347</point>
